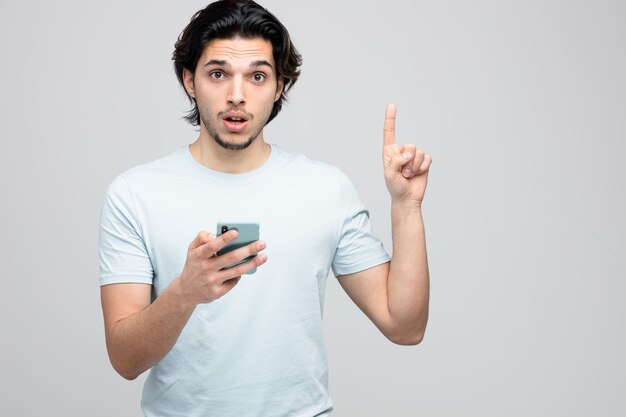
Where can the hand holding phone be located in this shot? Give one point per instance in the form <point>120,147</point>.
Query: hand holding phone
<point>207,276</point>
<point>248,233</point>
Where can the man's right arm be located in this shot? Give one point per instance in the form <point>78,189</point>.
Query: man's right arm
<point>140,333</point>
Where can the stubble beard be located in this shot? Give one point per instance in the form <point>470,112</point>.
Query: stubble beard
<point>206,117</point>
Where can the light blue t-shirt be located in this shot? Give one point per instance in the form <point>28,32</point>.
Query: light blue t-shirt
<point>258,350</point>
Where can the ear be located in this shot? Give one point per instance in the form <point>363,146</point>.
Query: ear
<point>188,81</point>
<point>279,89</point>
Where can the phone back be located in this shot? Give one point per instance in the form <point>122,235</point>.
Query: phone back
<point>248,233</point>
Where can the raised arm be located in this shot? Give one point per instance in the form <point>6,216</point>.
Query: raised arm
<point>395,295</point>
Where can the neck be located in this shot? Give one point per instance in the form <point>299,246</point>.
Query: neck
<point>207,152</point>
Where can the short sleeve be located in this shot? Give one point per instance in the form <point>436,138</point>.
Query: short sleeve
<point>358,248</point>
<point>123,254</point>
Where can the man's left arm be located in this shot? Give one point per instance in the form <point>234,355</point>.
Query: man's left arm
<point>395,295</point>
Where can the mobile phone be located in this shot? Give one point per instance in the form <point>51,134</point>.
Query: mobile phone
<point>247,233</point>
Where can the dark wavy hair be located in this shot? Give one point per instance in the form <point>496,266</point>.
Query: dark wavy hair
<point>227,19</point>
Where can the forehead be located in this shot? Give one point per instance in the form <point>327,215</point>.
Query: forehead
<point>238,50</point>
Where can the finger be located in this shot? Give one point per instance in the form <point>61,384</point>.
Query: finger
<point>425,166</point>
<point>407,152</point>
<point>200,239</point>
<point>389,129</point>
<point>416,163</point>
<point>394,164</point>
<point>212,246</point>
<point>242,268</point>
<point>239,254</point>
<point>227,285</point>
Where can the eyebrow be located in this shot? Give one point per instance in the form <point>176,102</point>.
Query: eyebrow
<point>254,64</point>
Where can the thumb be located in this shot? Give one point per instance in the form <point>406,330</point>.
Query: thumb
<point>395,161</point>
<point>202,238</point>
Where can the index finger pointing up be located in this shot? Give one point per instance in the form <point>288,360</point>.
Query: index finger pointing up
<point>389,131</point>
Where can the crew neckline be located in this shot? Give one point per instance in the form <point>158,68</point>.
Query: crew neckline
<point>197,166</point>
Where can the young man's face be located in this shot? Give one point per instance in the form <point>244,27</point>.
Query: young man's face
<point>235,87</point>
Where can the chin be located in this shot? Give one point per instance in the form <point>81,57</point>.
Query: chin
<point>233,145</point>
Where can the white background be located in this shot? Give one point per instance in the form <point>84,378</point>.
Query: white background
<point>521,103</point>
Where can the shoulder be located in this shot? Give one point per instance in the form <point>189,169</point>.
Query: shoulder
<point>150,174</point>
<point>320,180</point>
<point>308,168</point>
<point>166,165</point>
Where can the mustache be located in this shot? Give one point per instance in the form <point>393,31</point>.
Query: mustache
<point>221,114</point>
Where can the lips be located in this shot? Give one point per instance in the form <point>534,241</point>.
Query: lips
<point>235,121</point>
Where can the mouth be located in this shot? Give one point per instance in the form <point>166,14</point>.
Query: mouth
<point>235,121</point>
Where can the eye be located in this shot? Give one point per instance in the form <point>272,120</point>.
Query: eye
<point>216,75</point>
<point>258,77</point>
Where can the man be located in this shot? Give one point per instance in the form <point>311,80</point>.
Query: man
<point>220,343</point>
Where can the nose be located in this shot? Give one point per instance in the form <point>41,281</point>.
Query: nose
<point>236,94</point>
